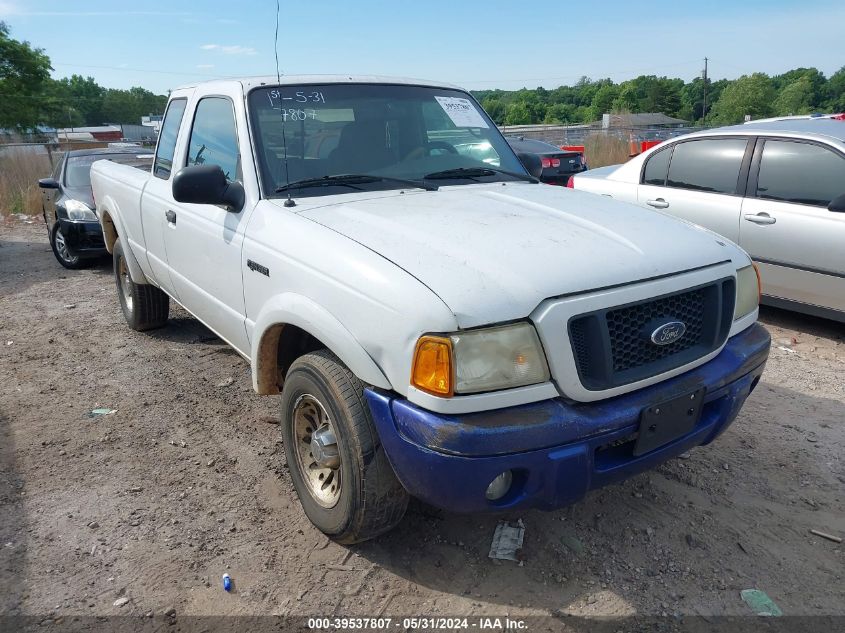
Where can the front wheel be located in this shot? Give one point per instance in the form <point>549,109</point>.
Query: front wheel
<point>337,463</point>
<point>145,307</point>
<point>64,254</point>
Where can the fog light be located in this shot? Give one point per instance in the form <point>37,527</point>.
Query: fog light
<point>499,487</point>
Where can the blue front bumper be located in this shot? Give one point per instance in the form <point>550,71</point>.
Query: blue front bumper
<point>557,449</point>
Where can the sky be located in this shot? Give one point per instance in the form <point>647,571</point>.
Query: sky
<point>476,44</point>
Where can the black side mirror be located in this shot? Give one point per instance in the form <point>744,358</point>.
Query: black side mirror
<point>837,204</point>
<point>532,164</point>
<point>207,184</point>
<point>48,183</point>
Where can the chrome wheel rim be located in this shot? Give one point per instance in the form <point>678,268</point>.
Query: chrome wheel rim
<point>316,448</point>
<point>61,247</point>
<point>125,282</point>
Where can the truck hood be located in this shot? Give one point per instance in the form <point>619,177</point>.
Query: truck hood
<point>492,253</point>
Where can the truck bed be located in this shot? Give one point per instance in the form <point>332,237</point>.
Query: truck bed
<point>120,186</point>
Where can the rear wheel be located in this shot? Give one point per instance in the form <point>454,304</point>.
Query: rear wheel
<point>337,463</point>
<point>145,307</point>
<point>64,254</point>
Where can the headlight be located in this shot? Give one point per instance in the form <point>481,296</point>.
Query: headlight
<point>77,210</point>
<point>747,291</point>
<point>480,360</point>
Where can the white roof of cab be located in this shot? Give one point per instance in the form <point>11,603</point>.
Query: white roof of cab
<point>271,80</point>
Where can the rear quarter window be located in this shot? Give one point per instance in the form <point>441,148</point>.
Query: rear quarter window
<point>656,167</point>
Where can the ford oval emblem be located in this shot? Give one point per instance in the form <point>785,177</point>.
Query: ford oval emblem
<point>668,333</point>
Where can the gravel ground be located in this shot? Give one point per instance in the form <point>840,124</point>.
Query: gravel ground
<point>187,480</point>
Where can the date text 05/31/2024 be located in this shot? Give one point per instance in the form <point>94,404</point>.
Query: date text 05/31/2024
<point>417,624</point>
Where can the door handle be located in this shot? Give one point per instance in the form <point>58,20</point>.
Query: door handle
<point>660,203</point>
<point>171,216</point>
<point>760,218</point>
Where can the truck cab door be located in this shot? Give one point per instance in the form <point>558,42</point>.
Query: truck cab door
<point>157,199</point>
<point>204,241</point>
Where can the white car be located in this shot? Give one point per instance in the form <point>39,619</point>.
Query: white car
<point>438,323</point>
<point>775,187</point>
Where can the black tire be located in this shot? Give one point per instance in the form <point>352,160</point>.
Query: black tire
<point>145,307</point>
<point>64,254</point>
<point>371,500</point>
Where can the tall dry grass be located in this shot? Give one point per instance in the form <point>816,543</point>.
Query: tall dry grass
<point>20,170</point>
<point>605,149</point>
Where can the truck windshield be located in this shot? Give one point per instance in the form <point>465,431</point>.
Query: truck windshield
<point>391,133</point>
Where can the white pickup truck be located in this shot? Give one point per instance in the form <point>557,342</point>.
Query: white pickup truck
<point>438,323</point>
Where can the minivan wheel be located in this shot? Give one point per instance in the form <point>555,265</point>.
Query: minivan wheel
<point>144,307</point>
<point>65,256</point>
<point>337,463</point>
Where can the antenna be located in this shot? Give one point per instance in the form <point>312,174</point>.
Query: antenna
<point>704,104</point>
<point>289,202</point>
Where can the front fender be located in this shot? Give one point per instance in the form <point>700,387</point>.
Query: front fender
<point>294,309</point>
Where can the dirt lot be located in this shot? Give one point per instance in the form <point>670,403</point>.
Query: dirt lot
<point>187,480</point>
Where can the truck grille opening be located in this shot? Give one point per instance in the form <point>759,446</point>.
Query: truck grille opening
<point>613,347</point>
<point>625,326</point>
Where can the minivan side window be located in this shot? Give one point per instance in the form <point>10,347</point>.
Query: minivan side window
<point>802,173</point>
<point>214,138</point>
<point>656,167</point>
<point>167,138</point>
<point>710,165</point>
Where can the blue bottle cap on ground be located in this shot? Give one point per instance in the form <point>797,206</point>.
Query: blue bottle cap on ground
<point>227,582</point>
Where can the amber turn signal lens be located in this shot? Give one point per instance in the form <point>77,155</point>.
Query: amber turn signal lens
<point>759,282</point>
<point>432,368</point>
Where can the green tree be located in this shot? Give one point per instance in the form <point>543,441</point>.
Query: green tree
<point>796,98</point>
<point>692,100</point>
<point>582,114</point>
<point>128,106</point>
<point>670,101</point>
<point>518,114</point>
<point>627,99</point>
<point>797,90</point>
<point>74,101</point>
<point>560,113</point>
<point>814,83</point>
<point>23,72</point>
<point>836,92</point>
<point>603,100</point>
<point>495,108</point>
<point>752,95</point>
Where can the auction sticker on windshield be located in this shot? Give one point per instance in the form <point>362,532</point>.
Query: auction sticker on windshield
<point>462,112</point>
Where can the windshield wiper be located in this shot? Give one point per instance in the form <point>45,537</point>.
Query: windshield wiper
<point>350,180</point>
<point>475,172</point>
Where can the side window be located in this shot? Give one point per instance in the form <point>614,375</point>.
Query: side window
<point>214,138</point>
<point>800,172</point>
<point>57,170</point>
<point>167,138</point>
<point>656,167</point>
<point>707,165</point>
